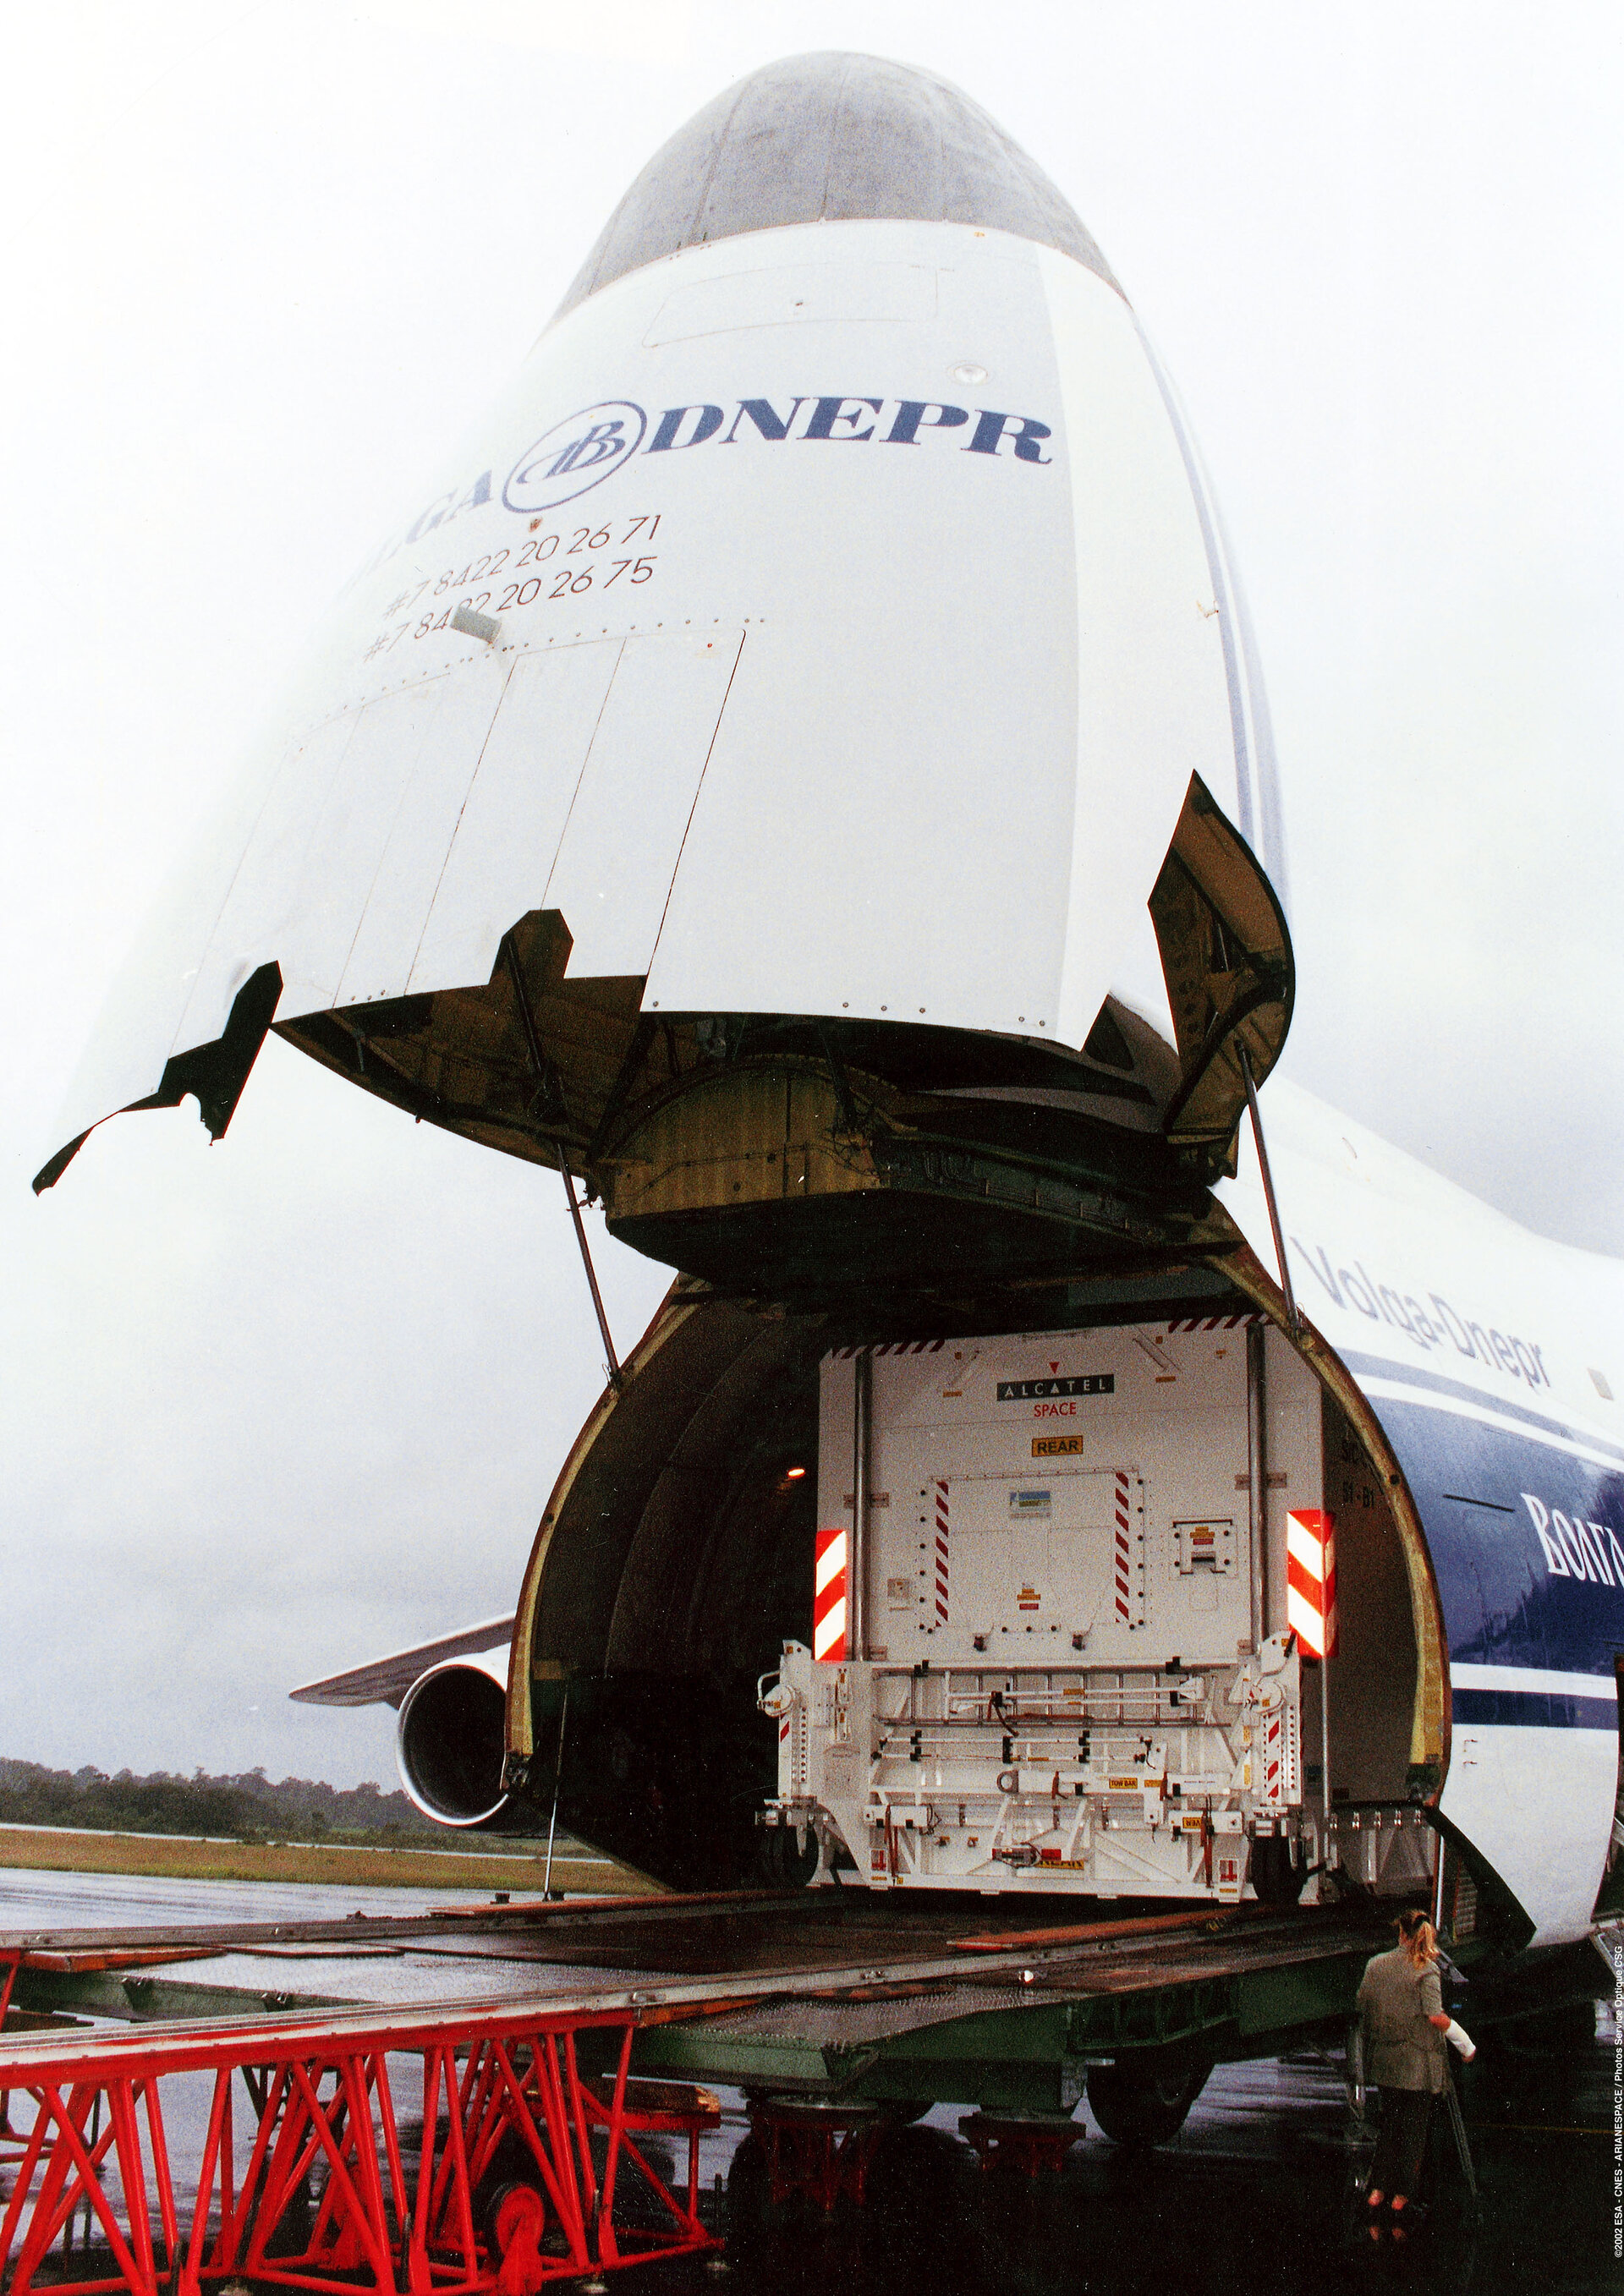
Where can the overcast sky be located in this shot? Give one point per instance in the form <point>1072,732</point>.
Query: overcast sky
<point>273,1407</point>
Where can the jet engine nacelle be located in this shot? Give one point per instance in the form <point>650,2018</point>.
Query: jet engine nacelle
<point>450,1740</point>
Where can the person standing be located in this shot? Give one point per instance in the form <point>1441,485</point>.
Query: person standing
<point>1405,2028</point>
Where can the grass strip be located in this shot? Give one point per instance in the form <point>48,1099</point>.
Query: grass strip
<point>340,1865</point>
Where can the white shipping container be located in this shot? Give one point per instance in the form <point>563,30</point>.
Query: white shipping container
<point>1067,1664</point>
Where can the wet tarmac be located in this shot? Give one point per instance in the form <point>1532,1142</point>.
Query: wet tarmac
<point>62,1901</point>
<point>1257,2193</point>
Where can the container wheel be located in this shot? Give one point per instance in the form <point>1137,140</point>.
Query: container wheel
<point>1277,1873</point>
<point>1144,2104</point>
<point>787,1862</point>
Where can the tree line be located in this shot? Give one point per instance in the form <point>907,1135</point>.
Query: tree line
<point>249,1808</point>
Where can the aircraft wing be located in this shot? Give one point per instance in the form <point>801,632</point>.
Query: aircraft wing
<point>385,1681</point>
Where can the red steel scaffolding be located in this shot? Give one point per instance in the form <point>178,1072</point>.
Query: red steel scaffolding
<point>529,2170</point>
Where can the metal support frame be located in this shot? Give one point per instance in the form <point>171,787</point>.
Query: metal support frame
<point>320,2189</point>
<point>818,2151</point>
<point>1256,1462</point>
<point>862,1440</point>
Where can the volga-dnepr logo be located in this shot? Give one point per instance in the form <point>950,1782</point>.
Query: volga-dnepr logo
<point>588,448</point>
<point>576,454</point>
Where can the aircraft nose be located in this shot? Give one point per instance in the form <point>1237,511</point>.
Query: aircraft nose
<point>832,138</point>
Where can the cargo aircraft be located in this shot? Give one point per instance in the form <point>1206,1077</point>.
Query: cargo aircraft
<point>802,771</point>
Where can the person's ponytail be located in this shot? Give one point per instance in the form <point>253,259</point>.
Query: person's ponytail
<point>1419,1940</point>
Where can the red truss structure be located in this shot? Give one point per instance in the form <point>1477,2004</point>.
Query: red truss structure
<point>529,2170</point>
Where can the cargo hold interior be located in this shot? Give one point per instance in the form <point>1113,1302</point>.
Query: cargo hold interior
<point>675,1563</point>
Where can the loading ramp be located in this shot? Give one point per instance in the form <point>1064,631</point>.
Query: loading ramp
<point>552,2061</point>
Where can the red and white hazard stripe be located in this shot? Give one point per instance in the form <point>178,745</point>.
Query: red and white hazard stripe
<point>941,1553</point>
<point>829,1595</point>
<point>1310,1580</point>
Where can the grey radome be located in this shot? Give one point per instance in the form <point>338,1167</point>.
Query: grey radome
<point>832,138</point>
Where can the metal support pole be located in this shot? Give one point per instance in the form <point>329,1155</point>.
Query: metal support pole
<point>1256,1460</point>
<point>1268,1192</point>
<point>616,1377</point>
<point>1438,1885</point>
<point>547,1078</point>
<point>1457,2125</point>
<point>1325,1751</point>
<point>558,1780</point>
<point>856,1579</point>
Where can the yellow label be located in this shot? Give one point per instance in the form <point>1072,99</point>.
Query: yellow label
<point>1122,1785</point>
<point>1057,1446</point>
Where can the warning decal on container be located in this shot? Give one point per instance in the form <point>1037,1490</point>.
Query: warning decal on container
<point>941,1551</point>
<point>829,1595</point>
<point>1129,1556</point>
<point>1057,1446</point>
<point>1031,1600</point>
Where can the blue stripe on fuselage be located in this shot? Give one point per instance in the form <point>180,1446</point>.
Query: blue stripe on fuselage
<point>1503,1602</point>
<point>1540,1710</point>
<point>1364,1367</point>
